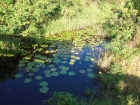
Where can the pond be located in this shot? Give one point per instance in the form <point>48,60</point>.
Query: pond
<point>63,63</point>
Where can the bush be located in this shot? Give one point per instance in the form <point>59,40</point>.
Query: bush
<point>121,25</point>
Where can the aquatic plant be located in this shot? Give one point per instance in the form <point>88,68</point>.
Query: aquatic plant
<point>62,98</point>
<point>27,80</point>
<point>18,75</point>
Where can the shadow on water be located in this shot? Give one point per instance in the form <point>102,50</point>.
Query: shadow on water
<point>65,61</point>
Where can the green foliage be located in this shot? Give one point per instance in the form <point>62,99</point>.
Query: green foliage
<point>62,98</point>
<point>69,8</point>
<point>121,25</point>
<point>27,17</point>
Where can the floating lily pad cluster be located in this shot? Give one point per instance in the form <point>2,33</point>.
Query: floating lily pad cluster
<point>55,53</point>
<point>44,87</point>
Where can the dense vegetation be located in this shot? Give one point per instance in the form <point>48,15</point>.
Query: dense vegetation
<point>117,21</point>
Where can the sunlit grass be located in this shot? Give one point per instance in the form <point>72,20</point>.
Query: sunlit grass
<point>105,61</point>
<point>89,17</point>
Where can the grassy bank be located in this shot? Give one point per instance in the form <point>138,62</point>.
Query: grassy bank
<point>119,23</point>
<point>119,66</point>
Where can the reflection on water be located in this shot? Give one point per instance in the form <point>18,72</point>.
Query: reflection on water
<point>17,92</point>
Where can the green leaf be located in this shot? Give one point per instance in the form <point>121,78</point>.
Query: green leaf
<point>34,69</point>
<point>89,70</point>
<point>64,62</point>
<point>82,71</point>
<point>38,77</point>
<point>91,75</point>
<point>63,72</point>
<point>47,71</point>
<point>39,61</point>
<point>18,76</point>
<point>51,65</point>
<point>30,64</point>
<point>91,65</point>
<point>27,80</point>
<point>56,61</point>
<point>53,69</point>
<point>38,56</point>
<point>21,65</point>
<point>71,73</point>
<point>44,90</point>
<point>48,75</point>
<point>55,74</point>
<point>43,83</point>
<point>30,74</point>
<point>22,61</point>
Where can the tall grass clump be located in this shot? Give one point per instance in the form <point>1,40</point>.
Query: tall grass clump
<point>120,77</point>
<point>89,16</point>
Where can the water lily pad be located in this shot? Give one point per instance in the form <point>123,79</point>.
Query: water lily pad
<point>47,71</point>
<point>47,51</point>
<point>43,58</point>
<point>39,61</point>
<point>71,63</point>
<point>71,73</point>
<point>63,72</point>
<point>44,90</point>
<point>27,80</point>
<point>73,56</point>
<point>91,75</point>
<point>30,74</point>
<point>53,69</point>
<point>49,60</point>
<point>91,65</point>
<point>65,68</point>
<point>56,61</point>
<point>51,65</point>
<point>77,58</point>
<point>30,64</point>
<point>76,53</point>
<point>72,60</point>
<point>65,58</point>
<point>44,45</point>
<point>18,76</point>
<point>64,62</point>
<point>88,53</point>
<point>39,49</point>
<point>38,77</point>
<point>92,59</point>
<point>38,65</point>
<point>43,83</point>
<point>48,75</point>
<point>22,61</point>
<point>89,70</point>
<point>55,74</point>
<point>62,66</point>
<point>27,57</point>
<point>43,65</point>
<point>82,71</point>
<point>86,59</point>
<point>34,69</point>
<point>21,65</point>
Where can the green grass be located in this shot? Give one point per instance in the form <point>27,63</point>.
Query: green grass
<point>90,16</point>
<point>119,65</point>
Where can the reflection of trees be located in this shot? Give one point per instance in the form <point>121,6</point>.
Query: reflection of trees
<point>8,66</point>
